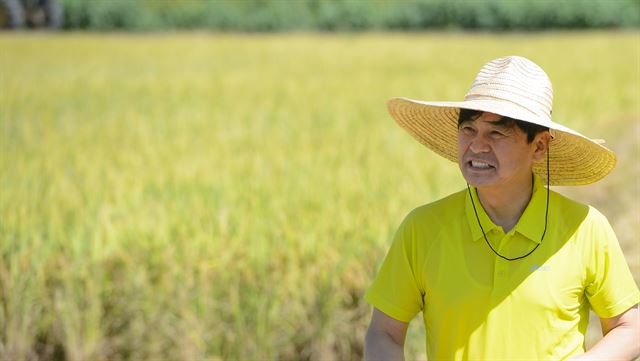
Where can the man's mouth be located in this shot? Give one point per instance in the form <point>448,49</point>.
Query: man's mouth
<point>480,165</point>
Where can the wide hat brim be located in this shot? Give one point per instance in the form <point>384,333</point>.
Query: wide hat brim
<point>574,159</point>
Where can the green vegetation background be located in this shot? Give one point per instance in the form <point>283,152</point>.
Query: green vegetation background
<point>331,15</point>
<point>194,196</point>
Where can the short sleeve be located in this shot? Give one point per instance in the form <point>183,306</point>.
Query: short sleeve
<point>395,290</point>
<point>610,287</point>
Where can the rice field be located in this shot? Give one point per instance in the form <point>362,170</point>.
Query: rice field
<point>221,196</point>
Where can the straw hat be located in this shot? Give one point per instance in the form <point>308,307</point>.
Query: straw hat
<point>517,88</point>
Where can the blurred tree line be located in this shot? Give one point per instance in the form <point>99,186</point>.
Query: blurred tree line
<point>350,15</point>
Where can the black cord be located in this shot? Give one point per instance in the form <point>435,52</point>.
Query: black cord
<point>546,214</point>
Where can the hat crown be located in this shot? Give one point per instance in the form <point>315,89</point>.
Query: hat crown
<point>515,80</point>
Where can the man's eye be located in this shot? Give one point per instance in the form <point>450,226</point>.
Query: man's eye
<point>496,134</point>
<point>467,130</point>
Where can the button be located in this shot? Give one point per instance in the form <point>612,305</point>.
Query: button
<point>501,273</point>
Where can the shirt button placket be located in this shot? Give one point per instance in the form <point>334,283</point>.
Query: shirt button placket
<point>500,273</point>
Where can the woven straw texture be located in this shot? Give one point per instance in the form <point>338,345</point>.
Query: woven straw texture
<point>517,88</point>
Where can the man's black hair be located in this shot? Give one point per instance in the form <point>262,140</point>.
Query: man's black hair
<point>531,129</point>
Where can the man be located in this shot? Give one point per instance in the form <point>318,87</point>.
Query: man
<point>505,269</point>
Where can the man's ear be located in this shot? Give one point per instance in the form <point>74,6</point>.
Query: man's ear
<point>541,144</point>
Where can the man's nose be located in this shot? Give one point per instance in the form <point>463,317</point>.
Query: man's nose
<point>479,145</point>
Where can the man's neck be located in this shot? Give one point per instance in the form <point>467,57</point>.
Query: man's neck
<point>505,205</point>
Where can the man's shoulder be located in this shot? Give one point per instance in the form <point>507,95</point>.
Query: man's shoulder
<point>441,209</point>
<point>435,218</point>
<point>564,203</point>
<point>572,210</point>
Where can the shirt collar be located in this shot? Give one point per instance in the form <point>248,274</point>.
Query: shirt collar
<point>530,224</point>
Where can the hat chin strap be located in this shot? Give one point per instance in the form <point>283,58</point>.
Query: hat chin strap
<point>546,216</point>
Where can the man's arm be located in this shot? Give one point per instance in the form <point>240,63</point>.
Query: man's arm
<point>385,338</point>
<point>621,339</point>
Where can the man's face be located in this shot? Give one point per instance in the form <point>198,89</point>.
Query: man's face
<point>492,155</point>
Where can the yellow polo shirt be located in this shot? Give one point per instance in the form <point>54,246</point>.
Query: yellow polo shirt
<point>477,305</point>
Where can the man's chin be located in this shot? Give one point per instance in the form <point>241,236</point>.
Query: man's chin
<point>478,181</point>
